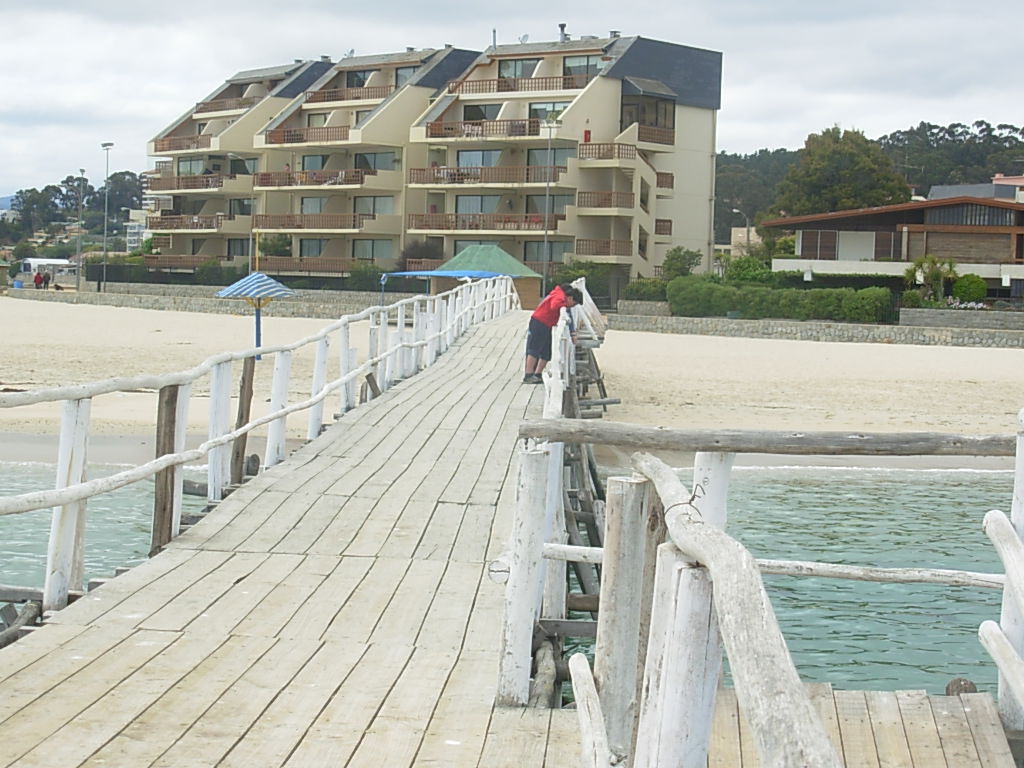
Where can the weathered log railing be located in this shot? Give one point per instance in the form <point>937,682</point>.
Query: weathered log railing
<point>404,338</point>
<point>676,591</point>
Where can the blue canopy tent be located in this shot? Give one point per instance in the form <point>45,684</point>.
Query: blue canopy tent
<point>259,290</point>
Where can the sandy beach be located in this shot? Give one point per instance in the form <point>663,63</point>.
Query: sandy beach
<point>678,381</point>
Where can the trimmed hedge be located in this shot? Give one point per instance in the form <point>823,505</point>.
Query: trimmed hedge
<point>645,289</point>
<point>695,297</point>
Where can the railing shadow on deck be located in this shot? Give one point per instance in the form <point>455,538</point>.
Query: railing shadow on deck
<point>676,591</point>
<point>404,338</point>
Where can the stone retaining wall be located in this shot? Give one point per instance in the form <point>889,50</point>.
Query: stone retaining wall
<point>315,304</point>
<point>655,308</point>
<point>819,331</point>
<point>963,318</point>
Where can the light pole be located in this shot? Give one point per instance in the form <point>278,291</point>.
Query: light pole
<point>78,247</point>
<point>252,204</point>
<point>741,213</point>
<point>551,124</point>
<point>106,145</point>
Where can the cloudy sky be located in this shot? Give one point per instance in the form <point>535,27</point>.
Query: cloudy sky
<point>76,73</point>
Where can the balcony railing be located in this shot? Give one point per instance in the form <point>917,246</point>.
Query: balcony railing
<point>421,265</point>
<point>606,151</point>
<point>605,199</point>
<point>665,180</point>
<point>322,133</point>
<point>507,174</point>
<point>200,181</point>
<point>179,143</point>
<point>349,94</point>
<point>178,221</point>
<point>587,247</point>
<point>663,226</point>
<point>332,264</point>
<point>506,84</point>
<point>172,261</point>
<point>656,135</point>
<point>473,129</point>
<point>217,105</point>
<point>161,241</point>
<point>313,178</point>
<point>310,221</point>
<point>459,221</point>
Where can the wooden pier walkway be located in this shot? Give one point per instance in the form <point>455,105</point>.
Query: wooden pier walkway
<point>336,611</point>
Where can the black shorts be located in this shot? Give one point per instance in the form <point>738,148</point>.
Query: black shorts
<point>538,340</point>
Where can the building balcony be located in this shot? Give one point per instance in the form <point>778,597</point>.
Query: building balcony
<point>344,177</point>
<point>323,264</point>
<point>513,84</point>
<point>663,226</point>
<point>477,129</point>
<point>349,94</point>
<point>665,180</point>
<point>422,265</point>
<point>181,143</point>
<point>448,222</point>
<point>319,222</point>
<point>174,261</point>
<point>588,248</point>
<point>229,182</point>
<point>606,151</point>
<point>505,175</point>
<point>605,199</point>
<point>161,241</point>
<point>193,223</point>
<point>320,135</point>
<point>655,135</point>
<point>222,105</point>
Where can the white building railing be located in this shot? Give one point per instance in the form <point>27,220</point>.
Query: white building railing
<point>404,338</point>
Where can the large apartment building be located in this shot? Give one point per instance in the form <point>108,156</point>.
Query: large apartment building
<point>597,149</point>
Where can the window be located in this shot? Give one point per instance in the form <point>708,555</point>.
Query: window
<point>403,75</point>
<point>314,162</point>
<point>238,247</point>
<point>362,114</point>
<point>559,156</point>
<point>314,204</point>
<point>201,128</point>
<point>197,245</point>
<point>371,250</point>
<point>478,158</point>
<point>542,110</point>
<point>316,119</point>
<point>242,167</point>
<point>190,166</point>
<point>658,113</point>
<point>375,161</point>
<point>481,111</point>
<point>311,247</point>
<point>517,67</point>
<point>358,78</point>
<point>580,65</point>
<point>463,244</point>
<point>240,207</point>
<point>381,204</point>
<point>534,250</point>
<point>535,203</point>
<point>477,203</point>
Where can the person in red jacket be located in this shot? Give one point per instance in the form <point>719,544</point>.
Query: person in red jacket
<point>543,319</point>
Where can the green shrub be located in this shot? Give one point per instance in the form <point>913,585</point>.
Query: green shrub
<point>363,277</point>
<point>911,299</point>
<point>747,269</point>
<point>598,276</point>
<point>645,289</point>
<point>679,262</point>
<point>825,303</point>
<point>970,288</point>
<point>208,273</point>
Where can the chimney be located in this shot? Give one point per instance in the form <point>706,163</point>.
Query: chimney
<point>298,61</point>
<point>614,33</point>
<point>562,37</point>
<point>447,45</point>
<point>409,49</point>
<point>325,58</point>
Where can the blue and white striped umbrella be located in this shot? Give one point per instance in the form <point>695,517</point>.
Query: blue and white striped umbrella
<point>255,286</point>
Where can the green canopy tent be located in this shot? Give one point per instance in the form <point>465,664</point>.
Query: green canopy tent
<point>491,258</point>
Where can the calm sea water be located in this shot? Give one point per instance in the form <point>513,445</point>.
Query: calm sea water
<point>852,634</point>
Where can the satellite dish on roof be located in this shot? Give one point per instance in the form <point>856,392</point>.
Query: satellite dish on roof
<point>523,39</point>
<point>350,53</point>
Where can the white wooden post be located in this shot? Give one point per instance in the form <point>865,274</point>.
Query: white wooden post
<point>384,338</point>
<point>402,371</point>
<point>628,504</point>
<point>525,579</point>
<point>555,533</point>
<point>1011,619</point>
<point>420,329</point>
<point>64,556</point>
<point>316,412</point>
<point>218,469</point>
<point>277,430</point>
<point>373,344</point>
<point>593,739</point>
<point>180,435</point>
<point>346,400</point>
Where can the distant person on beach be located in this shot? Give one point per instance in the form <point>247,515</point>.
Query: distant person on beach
<point>543,319</point>
<point>47,277</point>
<point>38,280</point>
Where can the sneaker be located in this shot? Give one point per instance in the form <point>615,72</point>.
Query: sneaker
<point>528,378</point>
<point>536,378</point>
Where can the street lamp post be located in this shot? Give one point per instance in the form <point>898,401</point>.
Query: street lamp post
<point>747,220</point>
<point>106,145</point>
<point>78,247</point>
<point>551,124</point>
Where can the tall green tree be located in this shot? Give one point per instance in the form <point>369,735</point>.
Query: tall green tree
<point>70,188</point>
<point>36,207</point>
<point>839,170</point>
<point>125,192</point>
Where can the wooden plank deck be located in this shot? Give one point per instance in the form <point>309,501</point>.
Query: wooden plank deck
<point>335,611</point>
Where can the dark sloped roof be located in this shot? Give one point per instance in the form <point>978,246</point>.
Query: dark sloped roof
<point>914,206</point>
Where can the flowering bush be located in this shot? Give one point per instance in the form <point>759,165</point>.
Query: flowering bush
<point>954,303</point>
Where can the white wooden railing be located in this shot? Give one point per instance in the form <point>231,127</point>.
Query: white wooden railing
<point>404,338</point>
<point>676,591</point>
